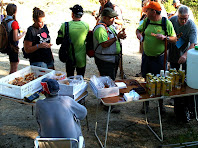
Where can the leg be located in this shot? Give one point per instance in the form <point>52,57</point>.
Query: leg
<point>13,67</point>
<point>14,61</point>
<point>70,69</point>
<point>81,71</point>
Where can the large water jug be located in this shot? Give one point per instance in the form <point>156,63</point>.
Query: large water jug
<point>192,68</point>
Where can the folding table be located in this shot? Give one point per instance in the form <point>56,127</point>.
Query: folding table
<point>119,100</point>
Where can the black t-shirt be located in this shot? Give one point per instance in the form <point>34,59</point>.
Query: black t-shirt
<point>38,36</point>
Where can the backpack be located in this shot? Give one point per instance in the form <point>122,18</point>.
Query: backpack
<point>4,36</point>
<point>90,51</point>
<point>64,51</point>
<point>163,24</point>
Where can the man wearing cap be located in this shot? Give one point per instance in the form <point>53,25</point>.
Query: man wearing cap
<point>58,116</point>
<point>78,31</point>
<point>177,4</point>
<point>107,45</point>
<point>154,40</point>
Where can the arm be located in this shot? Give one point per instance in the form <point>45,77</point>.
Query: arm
<point>120,35</point>
<point>172,39</point>
<point>29,48</point>
<point>15,35</point>
<point>182,59</point>
<point>139,34</point>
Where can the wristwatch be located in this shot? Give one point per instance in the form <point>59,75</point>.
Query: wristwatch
<point>167,38</point>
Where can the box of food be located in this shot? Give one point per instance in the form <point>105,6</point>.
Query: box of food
<point>59,75</point>
<point>71,85</point>
<point>103,87</point>
<point>24,81</point>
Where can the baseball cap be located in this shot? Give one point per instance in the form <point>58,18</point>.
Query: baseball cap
<point>50,86</point>
<point>77,9</point>
<point>109,12</point>
<point>175,1</point>
<point>153,5</point>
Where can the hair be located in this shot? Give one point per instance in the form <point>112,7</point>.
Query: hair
<point>109,5</point>
<point>183,10</point>
<point>37,13</point>
<point>77,15</point>
<point>11,10</point>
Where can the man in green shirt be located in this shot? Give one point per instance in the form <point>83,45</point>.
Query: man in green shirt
<point>78,31</point>
<point>154,45</point>
<point>107,45</point>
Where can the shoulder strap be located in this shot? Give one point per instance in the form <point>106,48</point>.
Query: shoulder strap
<point>163,25</point>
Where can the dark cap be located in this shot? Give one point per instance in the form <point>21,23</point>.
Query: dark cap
<point>50,86</point>
<point>77,9</point>
<point>109,12</point>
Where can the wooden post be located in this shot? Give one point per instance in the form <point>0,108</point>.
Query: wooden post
<point>165,54</point>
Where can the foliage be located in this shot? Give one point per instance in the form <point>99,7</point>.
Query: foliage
<point>168,6</point>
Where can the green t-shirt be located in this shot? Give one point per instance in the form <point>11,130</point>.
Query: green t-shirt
<point>77,31</point>
<point>153,46</point>
<point>101,36</point>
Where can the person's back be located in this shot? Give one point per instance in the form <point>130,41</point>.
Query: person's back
<point>56,117</point>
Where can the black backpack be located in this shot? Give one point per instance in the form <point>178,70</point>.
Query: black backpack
<point>64,51</point>
<point>163,24</point>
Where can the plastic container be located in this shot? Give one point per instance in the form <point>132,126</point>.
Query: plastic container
<point>192,69</point>
<point>20,92</point>
<point>98,87</point>
<point>71,85</point>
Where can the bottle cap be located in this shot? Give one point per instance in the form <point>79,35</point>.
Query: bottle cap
<point>196,47</point>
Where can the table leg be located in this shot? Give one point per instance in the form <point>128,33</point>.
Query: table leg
<point>32,110</point>
<point>195,102</point>
<point>106,134</point>
<point>160,121</point>
<point>86,116</point>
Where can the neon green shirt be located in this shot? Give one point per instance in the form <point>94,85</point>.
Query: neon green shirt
<point>152,45</point>
<point>101,36</point>
<point>77,31</point>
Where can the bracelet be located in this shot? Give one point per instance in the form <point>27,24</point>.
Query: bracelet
<point>37,46</point>
<point>116,37</point>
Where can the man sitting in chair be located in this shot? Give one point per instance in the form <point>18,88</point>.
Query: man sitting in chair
<point>58,116</point>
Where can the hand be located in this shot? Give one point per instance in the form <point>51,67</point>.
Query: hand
<point>160,36</point>
<point>122,34</point>
<point>44,45</point>
<point>182,59</point>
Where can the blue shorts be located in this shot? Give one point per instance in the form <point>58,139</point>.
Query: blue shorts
<point>43,64</point>
<point>152,64</point>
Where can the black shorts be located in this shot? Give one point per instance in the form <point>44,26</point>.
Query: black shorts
<point>13,56</point>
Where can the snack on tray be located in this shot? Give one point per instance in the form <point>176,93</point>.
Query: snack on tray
<point>20,81</point>
<point>59,74</point>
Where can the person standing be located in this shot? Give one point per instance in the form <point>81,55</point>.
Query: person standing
<point>13,37</point>
<point>154,44</point>
<point>78,31</point>
<point>58,116</point>
<point>37,42</point>
<point>187,30</point>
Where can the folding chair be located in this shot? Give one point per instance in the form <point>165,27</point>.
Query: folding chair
<point>58,142</point>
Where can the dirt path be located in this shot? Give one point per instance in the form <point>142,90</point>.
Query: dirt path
<point>128,129</point>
